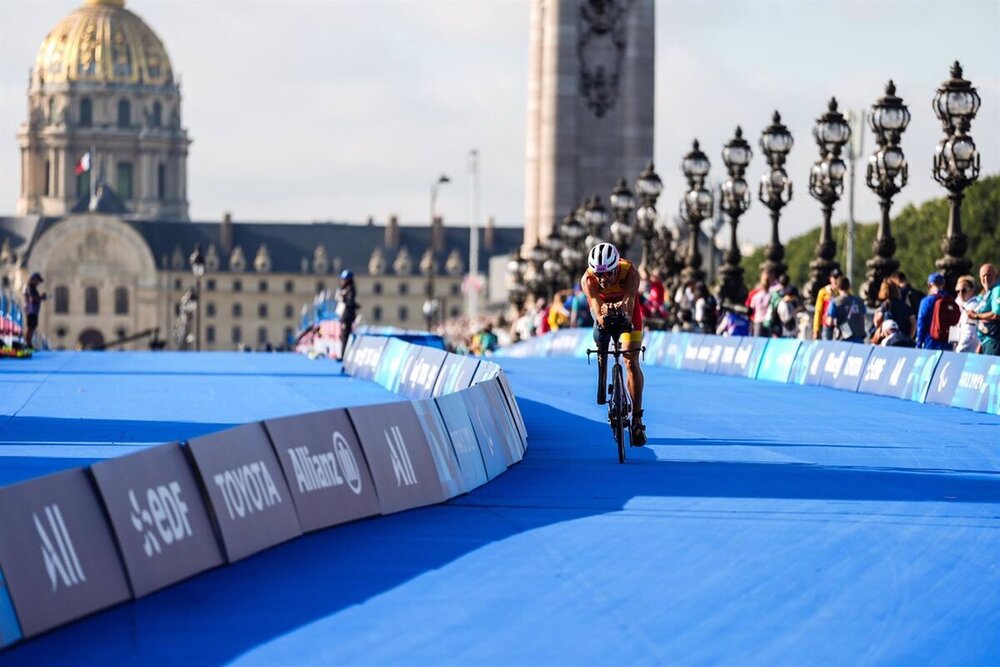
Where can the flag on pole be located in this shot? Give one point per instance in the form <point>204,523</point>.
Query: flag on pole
<point>83,164</point>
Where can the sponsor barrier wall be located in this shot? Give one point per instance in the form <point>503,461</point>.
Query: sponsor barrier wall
<point>81,540</point>
<point>959,380</point>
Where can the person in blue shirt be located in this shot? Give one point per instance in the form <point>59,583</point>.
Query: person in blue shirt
<point>935,287</point>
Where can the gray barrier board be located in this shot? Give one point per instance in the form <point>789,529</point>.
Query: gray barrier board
<point>441,448</point>
<point>158,515</point>
<point>58,556</point>
<point>423,374</point>
<point>398,456</point>
<point>456,374</point>
<point>246,489</point>
<point>463,439</point>
<point>492,443</point>
<point>505,422</point>
<point>325,468</point>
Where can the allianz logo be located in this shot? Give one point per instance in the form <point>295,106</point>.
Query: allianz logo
<point>164,516</point>
<point>402,466</point>
<point>326,470</point>
<point>58,552</point>
<point>247,489</point>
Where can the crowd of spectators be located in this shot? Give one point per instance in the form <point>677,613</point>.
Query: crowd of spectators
<point>904,316</point>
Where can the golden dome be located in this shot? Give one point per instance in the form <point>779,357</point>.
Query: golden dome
<point>105,43</point>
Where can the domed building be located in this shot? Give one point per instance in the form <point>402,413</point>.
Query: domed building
<point>103,85</point>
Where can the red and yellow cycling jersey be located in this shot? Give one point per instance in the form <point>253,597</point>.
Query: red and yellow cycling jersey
<point>616,292</point>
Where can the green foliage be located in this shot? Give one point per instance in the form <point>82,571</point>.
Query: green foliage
<point>918,232</point>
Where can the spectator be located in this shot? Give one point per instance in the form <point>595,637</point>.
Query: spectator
<point>787,312</point>
<point>704,309</point>
<point>347,307</point>
<point>558,315</point>
<point>848,313</point>
<point>987,314</point>
<point>578,308</point>
<point>32,307</point>
<point>925,315</point>
<point>485,342</point>
<point>822,328</point>
<point>968,301</point>
<point>774,295</point>
<point>908,295</point>
<point>891,307</point>
<point>759,300</point>
<point>734,321</point>
<point>889,335</point>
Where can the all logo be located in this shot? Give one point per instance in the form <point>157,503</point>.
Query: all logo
<point>163,517</point>
<point>402,467</point>
<point>58,552</point>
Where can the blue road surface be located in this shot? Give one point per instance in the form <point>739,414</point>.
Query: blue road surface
<point>765,524</point>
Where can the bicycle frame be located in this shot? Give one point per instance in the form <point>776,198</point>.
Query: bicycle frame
<point>619,416</point>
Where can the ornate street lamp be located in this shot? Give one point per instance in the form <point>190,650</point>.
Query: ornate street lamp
<point>648,186</point>
<point>697,205</point>
<point>552,268</point>
<point>573,256</point>
<point>775,189</point>
<point>516,292</point>
<point>594,217</point>
<point>956,166</point>
<point>826,185</point>
<point>429,262</point>
<point>735,202</point>
<point>198,269</point>
<point>622,203</point>
<point>886,176</point>
<point>534,276</point>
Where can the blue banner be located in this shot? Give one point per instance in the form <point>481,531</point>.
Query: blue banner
<point>673,351</point>
<point>727,347</point>
<point>844,364</point>
<point>693,360</point>
<point>899,372</point>
<point>812,366</point>
<point>748,357</point>
<point>776,362</point>
<point>803,358</point>
<point>970,381</point>
<point>654,341</point>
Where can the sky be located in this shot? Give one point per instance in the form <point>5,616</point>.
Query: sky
<point>304,110</point>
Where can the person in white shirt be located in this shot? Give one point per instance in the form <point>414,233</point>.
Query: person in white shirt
<point>968,300</point>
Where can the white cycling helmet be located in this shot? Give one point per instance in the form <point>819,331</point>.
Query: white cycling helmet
<point>603,258</point>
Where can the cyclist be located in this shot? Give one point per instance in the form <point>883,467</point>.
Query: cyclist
<point>611,285</point>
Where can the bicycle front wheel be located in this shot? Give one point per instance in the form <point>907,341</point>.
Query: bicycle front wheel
<point>618,414</point>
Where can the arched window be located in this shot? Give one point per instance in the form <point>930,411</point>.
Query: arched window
<point>377,313</point>
<point>124,180</point>
<point>262,311</point>
<point>237,310</point>
<point>121,301</point>
<point>262,335</point>
<point>161,182</point>
<point>48,178</point>
<point>86,112</point>
<point>403,313</point>
<point>91,301</point>
<point>157,117</point>
<point>289,311</point>
<point>124,114</point>
<point>62,299</point>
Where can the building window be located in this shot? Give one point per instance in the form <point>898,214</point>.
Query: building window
<point>237,285</point>
<point>61,332</point>
<point>262,335</point>
<point>86,113</point>
<point>237,310</point>
<point>177,310</point>
<point>157,116</point>
<point>125,180</point>
<point>376,288</point>
<point>120,332</point>
<point>210,285</point>
<point>178,284</point>
<point>124,114</point>
<point>377,313</point>
<point>237,334</point>
<point>121,301</point>
<point>289,286</point>
<point>404,288</point>
<point>289,335</point>
<point>262,286</point>
<point>161,182</point>
<point>62,299</point>
<point>48,178</point>
<point>455,312</point>
<point>210,309</point>
<point>289,311</point>
<point>262,310</point>
<point>403,313</point>
<point>91,303</point>
<point>455,289</point>
<point>320,286</point>
<point>210,334</point>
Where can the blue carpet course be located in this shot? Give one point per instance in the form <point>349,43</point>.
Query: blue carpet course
<point>765,524</point>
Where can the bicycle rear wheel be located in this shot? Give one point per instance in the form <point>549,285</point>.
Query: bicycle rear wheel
<point>618,414</point>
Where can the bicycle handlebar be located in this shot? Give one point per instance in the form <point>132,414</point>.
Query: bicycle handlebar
<point>617,353</point>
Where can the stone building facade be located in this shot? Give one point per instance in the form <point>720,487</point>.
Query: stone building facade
<point>102,83</point>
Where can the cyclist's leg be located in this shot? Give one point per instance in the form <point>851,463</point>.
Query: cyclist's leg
<point>602,339</point>
<point>636,382</point>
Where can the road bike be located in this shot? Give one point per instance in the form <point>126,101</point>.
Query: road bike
<point>616,394</point>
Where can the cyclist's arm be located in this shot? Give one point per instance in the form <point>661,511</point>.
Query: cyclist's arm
<point>631,290</point>
<point>594,299</point>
